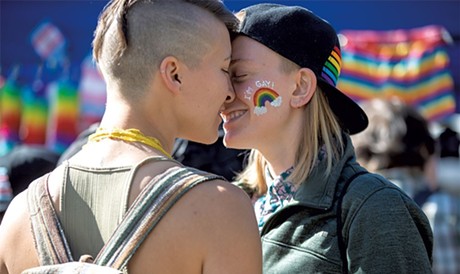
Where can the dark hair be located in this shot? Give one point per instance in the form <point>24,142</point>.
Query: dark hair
<point>397,136</point>
<point>449,143</point>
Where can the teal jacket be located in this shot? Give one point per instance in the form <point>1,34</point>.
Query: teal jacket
<point>384,230</point>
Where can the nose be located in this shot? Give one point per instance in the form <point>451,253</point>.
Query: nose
<point>230,92</point>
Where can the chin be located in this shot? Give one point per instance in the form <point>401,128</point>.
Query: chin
<point>207,136</point>
<point>207,140</point>
<point>210,141</point>
<point>233,142</point>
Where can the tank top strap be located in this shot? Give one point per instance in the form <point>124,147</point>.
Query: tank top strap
<point>154,159</point>
<point>148,160</point>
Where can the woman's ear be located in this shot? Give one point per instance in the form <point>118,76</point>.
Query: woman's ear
<point>305,88</point>
<point>169,73</point>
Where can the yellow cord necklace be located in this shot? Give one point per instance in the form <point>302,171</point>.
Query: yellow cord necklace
<point>128,135</point>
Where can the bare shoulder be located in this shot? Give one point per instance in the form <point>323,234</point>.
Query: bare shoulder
<point>16,237</point>
<point>225,191</point>
<point>224,225</point>
<point>220,200</point>
<point>216,204</point>
<point>212,228</point>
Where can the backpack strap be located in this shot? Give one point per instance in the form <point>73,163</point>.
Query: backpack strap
<point>149,207</point>
<point>49,238</point>
<point>145,213</point>
<point>342,244</point>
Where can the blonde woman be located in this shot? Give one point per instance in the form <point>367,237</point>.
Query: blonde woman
<point>318,210</point>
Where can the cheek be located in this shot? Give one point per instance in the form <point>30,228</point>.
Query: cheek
<point>244,91</point>
<point>219,87</point>
<point>248,92</point>
<point>265,97</point>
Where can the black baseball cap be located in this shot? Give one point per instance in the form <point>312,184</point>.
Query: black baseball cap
<point>299,35</point>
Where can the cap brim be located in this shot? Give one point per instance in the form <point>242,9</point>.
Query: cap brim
<point>351,116</point>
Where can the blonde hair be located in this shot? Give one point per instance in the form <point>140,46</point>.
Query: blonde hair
<point>321,130</point>
<point>133,37</point>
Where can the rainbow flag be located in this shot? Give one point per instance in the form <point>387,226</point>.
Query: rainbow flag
<point>34,116</point>
<point>10,116</point>
<point>49,42</point>
<point>409,64</point>
<point>92,92</point>
<point>63,115</point>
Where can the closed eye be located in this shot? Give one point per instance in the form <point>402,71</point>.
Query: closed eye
<point>238,77</point>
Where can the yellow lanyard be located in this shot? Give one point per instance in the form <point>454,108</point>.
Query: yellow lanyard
<point>128,135</point>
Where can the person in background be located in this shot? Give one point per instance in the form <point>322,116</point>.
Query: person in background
<point>19,167</point>
<point>442,207</point>
<point>399,145</point>
<point>165,63</point>
<point>448,160</point>
<point>6,192</point>
<point>26,163</point>
<point>318,210</point>
<point>449,142</point>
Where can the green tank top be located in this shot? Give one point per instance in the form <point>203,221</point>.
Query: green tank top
<point>93,202</point>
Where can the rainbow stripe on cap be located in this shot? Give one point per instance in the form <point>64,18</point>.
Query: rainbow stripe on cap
<point>331,69</point>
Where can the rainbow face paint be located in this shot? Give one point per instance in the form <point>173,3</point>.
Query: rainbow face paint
<point>263,95</point>
<point>265,84</point>
<point>248,93</point>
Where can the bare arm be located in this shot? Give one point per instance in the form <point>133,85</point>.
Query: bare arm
<point>17,250</point>
<point>234,244</point>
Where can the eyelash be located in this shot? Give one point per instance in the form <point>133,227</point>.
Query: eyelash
<point>226,71</point>
<point>238,77</point>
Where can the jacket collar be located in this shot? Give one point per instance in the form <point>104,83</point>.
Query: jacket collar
<point>317,191</point>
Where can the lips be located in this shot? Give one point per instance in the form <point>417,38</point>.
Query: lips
<point>228,117</point>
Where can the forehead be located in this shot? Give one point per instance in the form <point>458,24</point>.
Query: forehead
<point>248,49</point>
<point>221,45</point>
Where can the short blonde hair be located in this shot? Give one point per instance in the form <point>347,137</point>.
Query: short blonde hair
<point>133,37</point>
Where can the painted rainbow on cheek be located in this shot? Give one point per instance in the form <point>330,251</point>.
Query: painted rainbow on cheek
<point>264,95</point>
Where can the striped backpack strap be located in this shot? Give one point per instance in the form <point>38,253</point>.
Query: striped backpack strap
<point>144,214</point>
<point>49,238</point>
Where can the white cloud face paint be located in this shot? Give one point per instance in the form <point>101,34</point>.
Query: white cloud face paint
<point>248,93</point>
<point>265,93</point>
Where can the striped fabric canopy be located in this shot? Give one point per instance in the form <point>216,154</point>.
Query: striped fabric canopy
<point>409,64</point>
